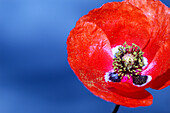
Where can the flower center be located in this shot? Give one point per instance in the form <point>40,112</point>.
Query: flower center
<point>128,61</point>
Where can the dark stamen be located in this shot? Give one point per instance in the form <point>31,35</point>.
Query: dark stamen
<point>114,77</point>
<point>139,79</point>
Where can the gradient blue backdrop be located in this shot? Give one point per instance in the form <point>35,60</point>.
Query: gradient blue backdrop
<point>34,73</point>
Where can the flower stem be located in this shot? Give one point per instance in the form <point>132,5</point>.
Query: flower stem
<point>116,109</point>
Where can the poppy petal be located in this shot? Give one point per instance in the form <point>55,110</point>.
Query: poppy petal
<point>124,86</point>
<point>128,99</point>
<point>161,81</point>
<point>133,99</point>
<point>160,63</point>
<point>89,52</point>
<point>121,22</point>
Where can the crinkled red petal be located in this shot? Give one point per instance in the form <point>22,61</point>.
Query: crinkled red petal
<point>121,22</point>
<point>125,87</point>
<point>161,81</point>
<point>160,63</point>
<point>128,99</point>
<point>89,52</point>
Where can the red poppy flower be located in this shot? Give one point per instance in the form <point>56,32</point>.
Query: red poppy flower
<point>122,48</point>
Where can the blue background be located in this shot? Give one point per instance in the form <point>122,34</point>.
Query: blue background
<point>34,73</point>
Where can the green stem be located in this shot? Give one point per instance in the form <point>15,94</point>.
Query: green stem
<point>116,109</point>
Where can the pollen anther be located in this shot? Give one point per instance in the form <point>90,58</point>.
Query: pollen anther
<point>128,61</point>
